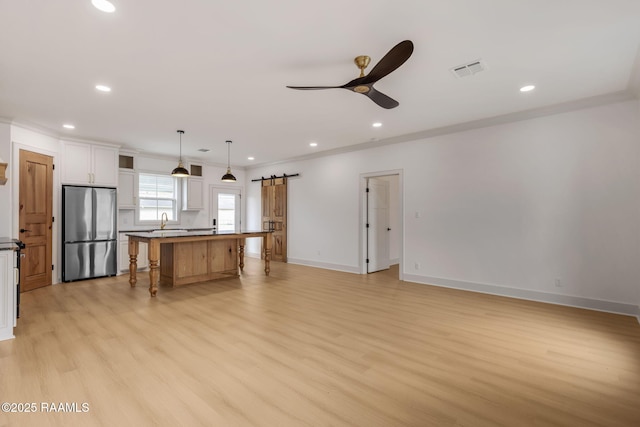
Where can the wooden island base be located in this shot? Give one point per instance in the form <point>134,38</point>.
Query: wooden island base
<point>177,259</point>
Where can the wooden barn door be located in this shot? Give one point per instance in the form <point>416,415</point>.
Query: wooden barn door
<point>274,215</point>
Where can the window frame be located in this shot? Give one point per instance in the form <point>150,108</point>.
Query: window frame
<point>176,198</point>
<point>237,190</point>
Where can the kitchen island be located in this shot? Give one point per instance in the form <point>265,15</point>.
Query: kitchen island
<point>181,257</point>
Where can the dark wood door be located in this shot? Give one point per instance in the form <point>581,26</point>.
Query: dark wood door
<point>35,219</point>
<point>274,215</point>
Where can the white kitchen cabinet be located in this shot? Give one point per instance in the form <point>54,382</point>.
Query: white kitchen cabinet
<point>8,281</point>
<point>126,190</point>
<point>123,254</point>
<point>192,194</point>
<point>87,164</point>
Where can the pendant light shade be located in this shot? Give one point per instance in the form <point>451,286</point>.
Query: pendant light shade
<point>228,177</point>
<point>180,171</point>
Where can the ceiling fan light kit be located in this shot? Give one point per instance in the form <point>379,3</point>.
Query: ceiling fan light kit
<point>397,56</point>
<point>180,171</point>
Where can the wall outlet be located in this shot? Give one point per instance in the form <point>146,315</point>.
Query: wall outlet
<point>417,214</point>
<point>416,266</point>
<point>558,283</point>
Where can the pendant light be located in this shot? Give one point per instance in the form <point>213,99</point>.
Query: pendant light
<point>180,171</point>
<point>228,177</point>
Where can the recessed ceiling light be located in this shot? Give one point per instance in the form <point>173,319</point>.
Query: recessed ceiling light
<point>376,124</point>
<point>313,144</point>
<point>251,158</point>
<point>527,88</point>
<point>103,88</point>
<point>68,126</point>
<point>104,5</point>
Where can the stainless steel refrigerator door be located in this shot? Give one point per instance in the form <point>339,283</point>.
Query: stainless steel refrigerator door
<point>87,260</point>
<point>105,213</point>
<point>78,214</point>
<point>104,258</point>
<point>77,261</point>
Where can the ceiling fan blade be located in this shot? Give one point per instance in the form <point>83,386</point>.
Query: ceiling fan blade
<point>314,87</point>
<point>381,99</point>
<point>392,60</point>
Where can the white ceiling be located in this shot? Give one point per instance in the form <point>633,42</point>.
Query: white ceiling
<point>219,69</point>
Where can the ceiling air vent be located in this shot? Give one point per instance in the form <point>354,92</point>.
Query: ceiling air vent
<point>469,69</point>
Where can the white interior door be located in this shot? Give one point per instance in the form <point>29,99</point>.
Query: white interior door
<point>378,225</point>
<point>225,208</point>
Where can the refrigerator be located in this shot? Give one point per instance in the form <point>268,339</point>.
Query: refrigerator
<point>89,230</point>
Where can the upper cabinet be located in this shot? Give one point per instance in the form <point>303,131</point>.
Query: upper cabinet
<point>87,164</point>
<point>192,189</point>
<point>126,190</point>
<point>126,182</point>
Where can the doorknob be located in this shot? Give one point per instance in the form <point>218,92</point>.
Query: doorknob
<point>22,230</point>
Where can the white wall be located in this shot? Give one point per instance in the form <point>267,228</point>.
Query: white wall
<point>637,74</point>
<point>506,209</point>
<point>211,175</point>
<point>6,229</point>
<point>31,140</point>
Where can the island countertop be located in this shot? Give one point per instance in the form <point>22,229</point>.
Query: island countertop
<point>9,244</point>
<point>191,256</point>
<point>179,232</point>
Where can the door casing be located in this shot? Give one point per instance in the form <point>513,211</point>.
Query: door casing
<point>363,217</point>
<point>37,262</point>
<point>213,202</point>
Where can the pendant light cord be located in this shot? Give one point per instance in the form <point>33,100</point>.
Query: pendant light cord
<point>180,132</point>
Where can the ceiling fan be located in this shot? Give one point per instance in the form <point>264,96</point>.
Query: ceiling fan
<point>364,84</point>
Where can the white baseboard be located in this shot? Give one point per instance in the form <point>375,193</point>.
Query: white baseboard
<point>308,263</point>
<point>588,303</point>
<point>572,301</point>
<point>7,334</point>
<point>252,255</point>
<point>325,265</point>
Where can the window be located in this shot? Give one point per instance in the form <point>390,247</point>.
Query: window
<point>157,194</point>
<point>226,212</point>
<point>225,208</point>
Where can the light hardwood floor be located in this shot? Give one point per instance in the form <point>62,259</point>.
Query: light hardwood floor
<point>310,347</point>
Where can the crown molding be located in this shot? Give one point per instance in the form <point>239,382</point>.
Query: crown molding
<point>593,101</point>
<point>27,125</point>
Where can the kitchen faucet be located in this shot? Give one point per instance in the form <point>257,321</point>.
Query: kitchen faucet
<point>163,220</point>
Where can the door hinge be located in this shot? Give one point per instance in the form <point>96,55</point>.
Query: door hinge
<point>367,260</point>
<point>53,219</point>
<point>53,166</point>
<point>367,225</point>
<point>367,189</point>
<point>51,267</point>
